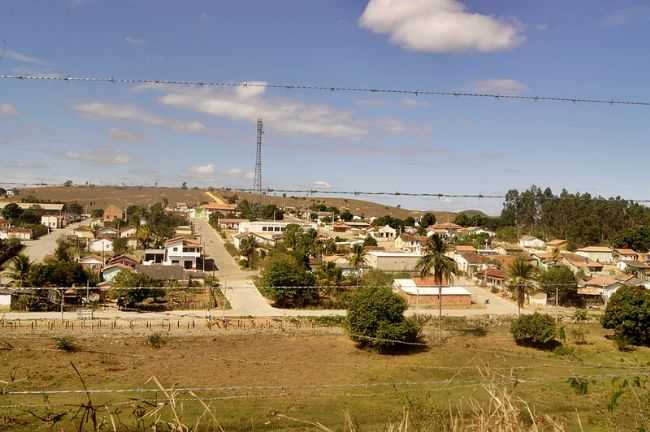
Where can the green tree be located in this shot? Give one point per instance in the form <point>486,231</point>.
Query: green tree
<point>560,280</point>
<point>628,314</point>
<point>120,246</point>
<point>58,274</point>
<point>435,263</point>
<point>144,236</point>
<point>507,234</point>
<point>19,271</point>
<point>369,241</point>
<point>375,319</point>
<point>536,330</point>
<point>67,183</point>
<point>132,288</point>
<point>521,274</point>
<point>427,219</point>
<point>286,280</point>
<point>248,249</point>
<point>12,212</point>
<point>97,213</point>
<point>346,216</point>
<point>357,259</point>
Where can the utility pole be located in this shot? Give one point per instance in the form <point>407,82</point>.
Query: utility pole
<point>258,158</point>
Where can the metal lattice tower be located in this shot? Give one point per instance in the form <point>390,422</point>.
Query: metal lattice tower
<point>258,157</point>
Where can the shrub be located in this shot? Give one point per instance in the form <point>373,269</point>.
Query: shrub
<point>65,343</point>
<point>628,314</point>
<point>536,330</point>
<point>376,320</point>
<point>155,340</point>
<point>287,281</point>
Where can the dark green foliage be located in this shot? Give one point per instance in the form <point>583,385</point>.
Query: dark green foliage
<point>507,234</point>
<point>155,340</point>
<point>30,217</point>
<point>324,208</point>
<point>65,343</point>
<point>393,222</point>
<point>427,220</point>
<point>12,212</point>
<point>120,246</point>
<point>467,219</point>
<point>346,216</point>
<point>628,314</point>
<point>284,279</point>
<point>97,213</point>
<point>369,241</point>
<point>580,218</point>
<point>560,278</point>
<point>537,330</point>
<point>73,208</point>
<point>57,274</point>
<point>479,241</point>
<point>126,296</point>
<point>637,238</point>
<point>579,385</point>
<point>255,211</point>
<point>376,320</point>
<point>8,249</point>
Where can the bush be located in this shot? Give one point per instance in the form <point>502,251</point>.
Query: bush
<point>287,281</point>
<point>155,340</point>
<point>65,343</point>
<point>376,320</point>
<point>536,330</point>
<point>628,314</point>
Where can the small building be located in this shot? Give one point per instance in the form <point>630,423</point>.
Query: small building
<point>340,227</point>
<point>508,249</point>
<point>465,249</point>
<point>386,233</point>
<point>267,240</point>
<point>411,243</point>
<point>129,232</point>
<point>601,254</point>
<point>231,223</point>
<point>111,271</point>
<point>91,263</point>
<point>599,289</point>
<point>392,261</point>
<point>5,299</point>
<point>271,226</point>
<point>625,255</point>
<point>183,251</point>
<point>84,232</point>
<point>578,263</point>
<point>102,245</point>
<point>492,277</point>
<point>183,230</point>
<point>18,233</point>
<point>52,221</point>
<point>426,292</point>
<point>153,256</point>
<point>112,213</point>
<point>470,263</point>
<point>558,244</point>
<point>107,232</point>
<point>640,270</point>
<point>446,230</point>
<point>530,242</point>
<point>125,260</point>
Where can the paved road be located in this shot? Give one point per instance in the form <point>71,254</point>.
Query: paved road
<point>37,250</point>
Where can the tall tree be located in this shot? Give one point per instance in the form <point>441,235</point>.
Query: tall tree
<point>357,259</point>
<point>435,263</point>
<point>521,274</point>
<point>19,271</point>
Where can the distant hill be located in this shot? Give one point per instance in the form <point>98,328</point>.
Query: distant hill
<point>473,212</point>
<point>123,196</point>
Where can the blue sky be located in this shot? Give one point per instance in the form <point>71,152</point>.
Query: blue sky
<point>103,133</point>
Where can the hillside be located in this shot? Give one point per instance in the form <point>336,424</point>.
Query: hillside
<point>122,196</point>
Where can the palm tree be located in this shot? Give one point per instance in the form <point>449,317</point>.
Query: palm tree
<point>521,276</point>
<point>435,263</point>
<point>144,236</point>
<point>20,270</point>
<point>248,248</point>
<point>357,259</point>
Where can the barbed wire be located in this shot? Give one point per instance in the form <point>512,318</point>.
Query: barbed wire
<point>329,89</point>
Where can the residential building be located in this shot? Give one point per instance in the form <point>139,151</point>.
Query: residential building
<point>530,242</point>
<point>475,231</point>
<point>267,239</point>
<point>111,271</point>
<point>183,251</point>
<point>129,232</point>
<point>112,213</point>
<point>108,232</point>
<point>558,244</point>
<point>599,289</point>
<point>582,264</point>
<point>601,254</point>
<point>91,263</point>
<point>340,227</point>
<point>183,230</point>
<point>392,261</point>
<point>231,224</point>
<point>464,249</point>
<point>470,263</point>
<point>124,260</point>
<point>84,232</point>
<point>103,246</point>
<point>358,224</point>
<point>385,233</point>
<point>52,221</point>
<point>492,277</point>
<point>446,230</point>
<point>271,226</point>
<point>627,255</point>
<point>204,211</point>
<point>508,249</point>
<point>153,256</point>
<point>411,243</point>
<point>640,270</point>
<point>17,233</point>
<point>426,292</point>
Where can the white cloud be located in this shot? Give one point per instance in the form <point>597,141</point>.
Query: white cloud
<point>203,170</point>
<point>99,157</point>
<point>440,26</point>
<point>8,109</point>
<point>248,103</point>
<point>234,171</point>
<point>20,57</point>
<point>322,184</point>
<point>499,86</point>
<point>250,175</point>
<point>125,135</point>
<point>132,113</point>
<point>131,40</point>
<point>413,103</point>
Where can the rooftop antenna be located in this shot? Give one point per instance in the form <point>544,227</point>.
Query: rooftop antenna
<point>258,158</point>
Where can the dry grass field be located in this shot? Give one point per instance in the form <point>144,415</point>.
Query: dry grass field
<point>101,196</point>
<point>254,382</point>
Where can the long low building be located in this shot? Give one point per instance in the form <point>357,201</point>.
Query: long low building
<point>271,226</point>
<point>392,261</point>
<point>424,292</point>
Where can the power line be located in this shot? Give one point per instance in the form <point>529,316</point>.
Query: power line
<point>331,89</point>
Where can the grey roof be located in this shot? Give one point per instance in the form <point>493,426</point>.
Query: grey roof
<point>162,272</point>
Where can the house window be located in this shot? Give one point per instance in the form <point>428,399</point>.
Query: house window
<point>175,249</point>
<point>278,229</point>
<point>265,228</point>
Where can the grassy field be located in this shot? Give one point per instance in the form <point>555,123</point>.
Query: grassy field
<point>252,381</point>
<point>101,196</point>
